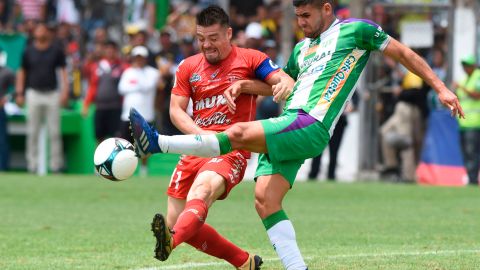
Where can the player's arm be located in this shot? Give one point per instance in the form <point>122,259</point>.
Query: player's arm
<point>417,65</point>
<point>278,84</point>
<point>180,117</point>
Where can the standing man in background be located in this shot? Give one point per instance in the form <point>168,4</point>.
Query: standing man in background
<point>138,86</point>
<point>103,91</point>
<point>37,86</point>
<point>468,91</point>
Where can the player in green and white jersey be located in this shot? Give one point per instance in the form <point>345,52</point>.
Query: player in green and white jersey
<point>326,66</point>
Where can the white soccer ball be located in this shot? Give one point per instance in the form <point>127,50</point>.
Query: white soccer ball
<point>115,159</point>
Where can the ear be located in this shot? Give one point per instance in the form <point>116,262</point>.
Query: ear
<point>328,8</point>
<point>229,33</point>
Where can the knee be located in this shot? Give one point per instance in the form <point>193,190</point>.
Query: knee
<point>266,205</point>
<point>236,133</point>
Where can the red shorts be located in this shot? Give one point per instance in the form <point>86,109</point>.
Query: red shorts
<point>231,166</point>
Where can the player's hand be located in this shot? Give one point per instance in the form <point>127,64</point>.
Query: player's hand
<point>450,100</point>
<point>20,100</point>
<point>85,111</point>
<point>231,94</point>
<point>282,90</point>
<point>64,96</point>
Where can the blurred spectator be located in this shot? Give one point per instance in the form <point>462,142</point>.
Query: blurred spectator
<point>6,18</point>
<point>270,17</point>
<point>468,91</point>
<point>242,12</point>
<point>182,19</point>
<point>167,60</point>
<point>134,12</point>
<point>138,86</point>
<point>254,35</point>
<point>266,107</point>
<point>37,79</point>
<point>439,67</point>
<point>103,91</point>
<point>67,12</point>
<point>187,47</point>
<point>403,132</point>
<point>158,11</point>
<point>31,9</point>
<point>7,80</point>
<point>139,38</point>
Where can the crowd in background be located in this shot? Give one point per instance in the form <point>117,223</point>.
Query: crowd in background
<point>104,38</point>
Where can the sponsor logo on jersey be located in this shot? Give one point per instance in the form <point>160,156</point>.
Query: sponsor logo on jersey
<point>338,80</point>
<point>195,78</point>
<point>214,74</point>
<point>316,58</point>
<point>218,118</point>
<point>210,102</point>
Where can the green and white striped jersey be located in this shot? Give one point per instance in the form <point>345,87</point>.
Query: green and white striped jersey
<point>327,68</point>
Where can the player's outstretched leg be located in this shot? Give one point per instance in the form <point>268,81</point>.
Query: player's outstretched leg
<point>145,137</point>
<point>164,245</point>
<point>147,141</point>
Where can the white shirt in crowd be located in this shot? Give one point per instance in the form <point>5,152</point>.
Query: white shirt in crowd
<point>138,86</point>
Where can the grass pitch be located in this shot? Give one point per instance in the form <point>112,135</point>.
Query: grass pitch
<point>84,222</point>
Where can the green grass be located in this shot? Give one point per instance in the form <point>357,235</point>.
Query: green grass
<point>84,222</point>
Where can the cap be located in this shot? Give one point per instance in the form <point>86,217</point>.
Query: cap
<point>139,51</point>
<point>469,60</point>
<point>254,30</point>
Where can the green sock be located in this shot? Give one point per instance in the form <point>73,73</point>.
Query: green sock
<point>274,218</point>
<point>224,142</point>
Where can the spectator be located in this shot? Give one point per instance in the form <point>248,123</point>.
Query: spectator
<point>31,9</point>
<point>167,60</point>
<point>157,13</point>
<point>103,91</point>
<point>254,35</point>
<point>37,79</point>
<point>468,91</point>
<point>7,79</point>
<point>403,131</point>
<point>139,86</point>
<point>266,107</point>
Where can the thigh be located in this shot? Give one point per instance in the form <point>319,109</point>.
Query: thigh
<point>183,176</point>
<point>294,136</point>
<point>287,169</point>
<point>231,167</point>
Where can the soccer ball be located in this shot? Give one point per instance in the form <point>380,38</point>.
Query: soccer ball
<point>115,159</point>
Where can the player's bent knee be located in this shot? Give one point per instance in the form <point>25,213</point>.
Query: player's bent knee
<point>235,133</point>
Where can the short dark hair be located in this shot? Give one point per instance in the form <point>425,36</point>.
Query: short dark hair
<point>111,43</point>
<point>213,15</point>
<point>318,3</point>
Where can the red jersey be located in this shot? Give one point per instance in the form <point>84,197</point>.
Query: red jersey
<point>205,83</point>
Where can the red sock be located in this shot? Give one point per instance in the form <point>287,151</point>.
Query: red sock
<point>190,221</point>
<point>209,241</point>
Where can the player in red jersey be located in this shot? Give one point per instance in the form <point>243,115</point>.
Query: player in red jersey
<point>198,182</point>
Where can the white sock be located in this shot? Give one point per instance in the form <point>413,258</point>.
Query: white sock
<point>195,145</point>
<point>282,237</point>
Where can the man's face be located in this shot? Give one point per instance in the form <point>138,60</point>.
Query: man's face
<point>469,69</point>
<point>312,20</point>
<point>214,42</point>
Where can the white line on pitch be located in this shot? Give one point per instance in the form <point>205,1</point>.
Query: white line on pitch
<point>339,256</point>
